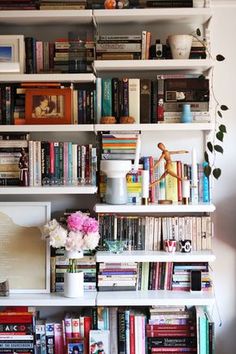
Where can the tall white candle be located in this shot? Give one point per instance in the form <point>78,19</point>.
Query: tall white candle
<point>145,183</point>
<point>137,153</point>
<point>185,191</point>
<point>194,186</point>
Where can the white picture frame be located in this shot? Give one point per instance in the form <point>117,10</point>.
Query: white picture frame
<point>12,51</point>
<point>20,222</point>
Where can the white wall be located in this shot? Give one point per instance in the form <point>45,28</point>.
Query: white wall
<point>223,41</point>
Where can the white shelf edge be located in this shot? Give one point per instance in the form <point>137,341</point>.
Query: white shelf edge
<point>184,15</point>
<point>7,190</point>
<point>155,127</point>
<point>154,256</point>
<point>149,65</point>
<point>48,77</point>
<point>53,299</point>
<point>48,128</point>
<point>154,208</point>
<point>153,298</point>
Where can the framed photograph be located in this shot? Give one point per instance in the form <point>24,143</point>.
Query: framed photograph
<point>48,106</point>
<point>75,346</point>
<point>99,341</point>
<point>12,52</point>
<point>24,256</point>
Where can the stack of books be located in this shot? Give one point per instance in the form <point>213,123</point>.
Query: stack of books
<point>171,329</point>
<point>17,331</point>
<point>59,265</point>
<point>117,276</point>
<point>182,276</point>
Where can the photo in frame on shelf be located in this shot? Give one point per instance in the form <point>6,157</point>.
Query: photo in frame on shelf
<point>48,106</point>
<point>75,346</point>
<point>12,53</point>
<point>24,257</point>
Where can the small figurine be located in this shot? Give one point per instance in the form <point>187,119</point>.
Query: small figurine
<point>24,168</point>
<point>166,155</point>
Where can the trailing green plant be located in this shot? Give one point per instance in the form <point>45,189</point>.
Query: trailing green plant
<point>214,146</point>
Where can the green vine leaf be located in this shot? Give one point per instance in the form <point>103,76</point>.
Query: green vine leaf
<point>220,136</point>
<point>198,32</point>
<point>222,128</point>
<point>210,146</point>
<point>219,114</point>
<point>207,170</point>
<point>224,107</point>
<point>220,57</point>
<point>216,172</point>
<point>219,148</point>
<point>206,157</point>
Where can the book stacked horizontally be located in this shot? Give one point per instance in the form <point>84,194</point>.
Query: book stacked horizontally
<point>171,329</point>
<point>11,146</point>
<point>16,331</point>
<point>63,4</point>
<point>117,276</point>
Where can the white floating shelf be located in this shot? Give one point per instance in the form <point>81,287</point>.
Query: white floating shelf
<point>153,298</point>
<point>48,190</point>
<point>153,65</point>
<point>154,208</point>
<point>155,256</point>
<point>48,77</point>
<point>155,127</point>
<point>48,128</point>
<point>45,17</point>
<point>153,15</point>
<point>53,299</point>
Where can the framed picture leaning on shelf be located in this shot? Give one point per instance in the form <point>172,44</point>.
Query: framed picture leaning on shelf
<point>24,256</point>
<point>48,106</point>
<point>12,52</point>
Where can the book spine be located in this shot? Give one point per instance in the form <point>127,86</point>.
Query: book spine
<point>99,99</point>
<point>134,99</point>
<point>121,332</point>
<point>145,101</point>
<point>125,98</point>
<point>106,97</point>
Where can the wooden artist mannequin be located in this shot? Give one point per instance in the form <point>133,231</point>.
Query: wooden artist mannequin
<point>166,155</point>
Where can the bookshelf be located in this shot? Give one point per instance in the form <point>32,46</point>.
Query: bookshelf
<point>99,18</point>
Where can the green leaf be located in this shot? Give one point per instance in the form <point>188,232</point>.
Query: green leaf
<point>198,32</point>
<point>218,148</point>
<point>220,136</point>
<point>216,172</point>
<point>224,107</point>
<point>222,128</point>
<point>219,114</point>
<point>206,157</point>
<point>210,146</point>
<point>220,57</point>
<point>207,170</point>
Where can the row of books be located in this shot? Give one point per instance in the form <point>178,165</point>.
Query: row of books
<point>153,101</point>
<point>36,163</point>
<point>63,55</point>
<point>66,103</point>
<point>149,233</point>
<point>151,276</point>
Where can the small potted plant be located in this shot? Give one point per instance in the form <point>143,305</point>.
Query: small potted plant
<point>81,233</point>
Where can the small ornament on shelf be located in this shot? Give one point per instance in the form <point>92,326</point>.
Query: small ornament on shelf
<point>4,288</point>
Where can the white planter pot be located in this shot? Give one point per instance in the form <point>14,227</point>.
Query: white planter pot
<point>74,284</point>
<point>180,45</point>
<point>74,254</point>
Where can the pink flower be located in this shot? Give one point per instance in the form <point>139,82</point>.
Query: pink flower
<point>74,241</point>
<point>90,225</point>
<point>75,221</point>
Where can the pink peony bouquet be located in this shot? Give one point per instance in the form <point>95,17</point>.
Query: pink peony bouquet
<point>81,233</point>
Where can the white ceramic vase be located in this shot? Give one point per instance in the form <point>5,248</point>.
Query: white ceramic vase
<point>74,254</point>
<point>180,45</point>
<point>74,284</point>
